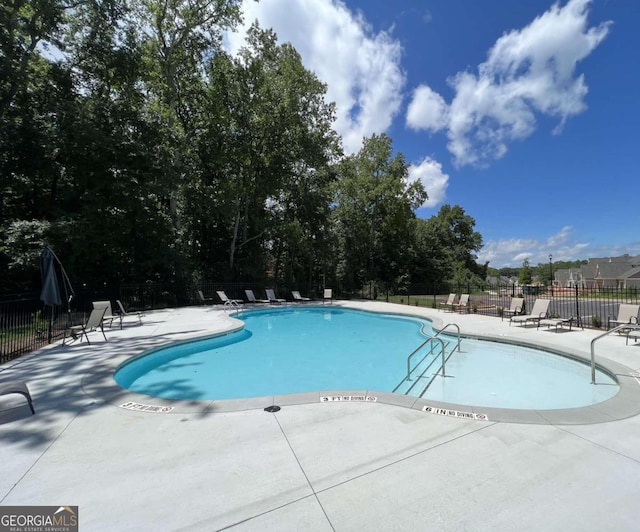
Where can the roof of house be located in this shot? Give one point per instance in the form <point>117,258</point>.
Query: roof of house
<point>611,270</point>
<point>635,260</point>
<point>588,271</point>
<point>633,273</point>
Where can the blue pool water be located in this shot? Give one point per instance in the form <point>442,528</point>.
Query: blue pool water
<point>289,350</point>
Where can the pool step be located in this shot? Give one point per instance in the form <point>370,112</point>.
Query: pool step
<point>429,363</point>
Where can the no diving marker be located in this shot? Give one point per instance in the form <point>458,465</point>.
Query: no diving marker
<point>139,407</point>
<point>455,413</point>
<point>346,398</point>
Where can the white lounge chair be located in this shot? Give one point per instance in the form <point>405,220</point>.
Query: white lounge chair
<point>448,304</point>
<point>463,304</point>
<point>109,316</point>
<point>539,312</point>
<point>251,298</point>
<point>123,313</point>
<point>328,295</point>
<point>204,300</point>
<point>94,322</point>
<point>271,296</point>
<point>228,302</point>
<point>515,308</point>
<point>626,314</point>
<point>297,297</point>
<point>633,332</point>
<point>10,387</point>
<point>556,322</point>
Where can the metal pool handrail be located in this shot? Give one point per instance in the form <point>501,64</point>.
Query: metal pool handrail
<point>593,352</point>
<point>430,339</point>
<point>231,304</point>
<point>446,327</point>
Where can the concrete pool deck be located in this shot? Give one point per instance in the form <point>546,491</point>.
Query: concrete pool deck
<point>343,465</point>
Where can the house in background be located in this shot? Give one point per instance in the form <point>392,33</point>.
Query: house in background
<point>568,278</point>
<point>608,272</point>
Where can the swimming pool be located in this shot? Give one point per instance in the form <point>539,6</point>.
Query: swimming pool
<point>290,350</point>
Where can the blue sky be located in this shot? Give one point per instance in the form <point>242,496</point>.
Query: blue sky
<point>524,113</point>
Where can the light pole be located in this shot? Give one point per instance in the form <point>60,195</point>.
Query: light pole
<point>550,274</point>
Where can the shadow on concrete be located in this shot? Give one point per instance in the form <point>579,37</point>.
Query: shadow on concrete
<point>56,376</point>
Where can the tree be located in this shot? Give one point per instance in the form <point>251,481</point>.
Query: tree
<point>24,25</point>
<point>525,275</point>
<point>141,151</point>
<point>264,142</point>
<point>446,247</point>
<point>374,214</point>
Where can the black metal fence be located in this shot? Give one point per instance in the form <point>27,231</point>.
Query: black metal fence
<point>590,307</point>
<point>26,324</point>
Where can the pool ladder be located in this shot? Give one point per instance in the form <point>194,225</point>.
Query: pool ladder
<point>232,306</point>
<point>431,340</point>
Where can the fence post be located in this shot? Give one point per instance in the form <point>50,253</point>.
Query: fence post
<point>578,320</point>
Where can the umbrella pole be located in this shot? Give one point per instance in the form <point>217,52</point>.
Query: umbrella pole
<point>50,332</point>
<point>66,283</point>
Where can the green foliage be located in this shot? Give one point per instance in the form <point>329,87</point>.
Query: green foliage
<point>374,215</point>
<point>445,248</point>
<point>525,275</point>
<point>24,241</point>
<point>144,152</point>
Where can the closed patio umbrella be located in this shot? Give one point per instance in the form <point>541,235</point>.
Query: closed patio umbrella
<point>50,293</point>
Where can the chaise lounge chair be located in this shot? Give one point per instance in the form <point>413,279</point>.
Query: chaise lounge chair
<point>328,295</point>
<point>539,312</point>
<point>93,324</point>
<point>251,298</point>
<point>516,307</point>
<point>204,300</point>
<point>463,304</point>
<point>448,304</point>
<point>123,313</point>
<point>626,314</point>
<point>557,323</point>
<point>633,332</point>
<point>271,296</point>
<point>226,301</point>
<point>109,316</point>
<point>7,388</point>
<point>297,297</point>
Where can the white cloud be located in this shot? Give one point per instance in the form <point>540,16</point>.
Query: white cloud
<point>427,110</point>
<point>528,71</point>
<point>435,181</point>
<point>563,246</point>
<point>361,68</point>
<point>511,252</point>
<point>559,239</point>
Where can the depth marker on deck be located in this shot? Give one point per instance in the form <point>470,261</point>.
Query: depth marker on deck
<point>455,413</point>
<point>332,398</point>
<point>146,408</point>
